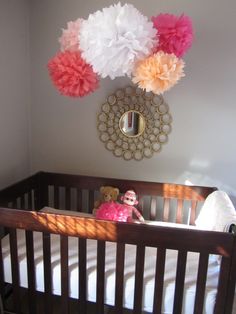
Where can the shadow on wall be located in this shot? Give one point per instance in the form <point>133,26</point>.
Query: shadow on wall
<point>190,178</point>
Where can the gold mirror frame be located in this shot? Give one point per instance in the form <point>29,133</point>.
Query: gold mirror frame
<point>157,123</point>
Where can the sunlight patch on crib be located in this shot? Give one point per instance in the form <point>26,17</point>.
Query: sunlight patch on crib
<point>70,225</point>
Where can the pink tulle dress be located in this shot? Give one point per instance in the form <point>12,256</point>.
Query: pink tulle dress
<point>113,211</point>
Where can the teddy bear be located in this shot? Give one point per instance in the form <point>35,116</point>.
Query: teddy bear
<point>108,194</point>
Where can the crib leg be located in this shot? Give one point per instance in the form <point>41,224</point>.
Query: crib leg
<point>1,306</point>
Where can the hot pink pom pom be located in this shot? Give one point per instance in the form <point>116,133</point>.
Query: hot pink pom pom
<point>72,75</point>
<point>175,33</point>
<point>113,211</point>
<point>69,39</point>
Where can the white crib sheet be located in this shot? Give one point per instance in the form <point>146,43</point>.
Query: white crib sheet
<point>130,251</point>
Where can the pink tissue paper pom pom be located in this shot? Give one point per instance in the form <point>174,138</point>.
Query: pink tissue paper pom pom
<point>175,33</point>
<point>69,39</point>
<point>72,75</point>
<point>112,211</point>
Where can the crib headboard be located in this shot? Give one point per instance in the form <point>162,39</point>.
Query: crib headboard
<point>157,201</point>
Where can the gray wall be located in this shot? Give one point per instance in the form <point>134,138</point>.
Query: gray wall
<point>14,91</point>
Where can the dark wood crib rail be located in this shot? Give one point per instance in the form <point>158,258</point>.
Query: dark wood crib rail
<point>157,201</point>
<point>141,235</point>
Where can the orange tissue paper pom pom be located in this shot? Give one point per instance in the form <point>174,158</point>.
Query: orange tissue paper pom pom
<point>71,75</point>
<point>158,72</point>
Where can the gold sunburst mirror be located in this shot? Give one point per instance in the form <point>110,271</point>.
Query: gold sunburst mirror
<point>134,124</point>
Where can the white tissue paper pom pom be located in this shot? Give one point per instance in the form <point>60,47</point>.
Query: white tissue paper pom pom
<point>113,39</point>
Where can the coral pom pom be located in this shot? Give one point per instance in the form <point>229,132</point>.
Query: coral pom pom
<point>175,33</point>
<point>69,39</point>
<point>158,72</point>
<point>72,75</point>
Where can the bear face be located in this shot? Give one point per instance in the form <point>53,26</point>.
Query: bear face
<point>109,193</point>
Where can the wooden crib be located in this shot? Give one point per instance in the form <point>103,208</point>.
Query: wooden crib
<point>20,205</point>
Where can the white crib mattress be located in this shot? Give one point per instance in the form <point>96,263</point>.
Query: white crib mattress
<point>130,251</point>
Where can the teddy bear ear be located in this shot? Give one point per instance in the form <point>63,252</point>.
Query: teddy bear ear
<point>102,189</point>
<point>117,191</point>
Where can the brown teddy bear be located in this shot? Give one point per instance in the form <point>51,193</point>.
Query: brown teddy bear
<point>108,194</point>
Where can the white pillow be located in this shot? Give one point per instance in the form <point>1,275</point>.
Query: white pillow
<point>217,213</point>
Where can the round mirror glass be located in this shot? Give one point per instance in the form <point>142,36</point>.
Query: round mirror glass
<point>132,123</point>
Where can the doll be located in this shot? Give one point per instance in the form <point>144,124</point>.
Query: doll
<point>129,200</point>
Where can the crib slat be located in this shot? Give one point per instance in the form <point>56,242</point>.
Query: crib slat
<point>68,198</point>
<point>1,272</point>
<point>91,201</point>
<point>159,280</point>
<point>79,200</point>
<point>179,211</point>
<point>19,203</point>
<point>24,201</point>
<point>14,204</point>
<point>141,204</point>
<point>222,289</point>
<point>101,248</point>
<point>56,196</point>
<point>231,286</point>
<point>82,275</point>
<point>193,212</point>
<point>179,281</point>
<point>120,259</point>
<point>30,271</point>
<point>139,269</point>
<point>201,283</point>
<point>15,270</point>
<point>166,209</point>
<point>64,275</point>
<point>43,196</point>
<point>153,209</point>
<point>30,200</point>
<point>47,273</point>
